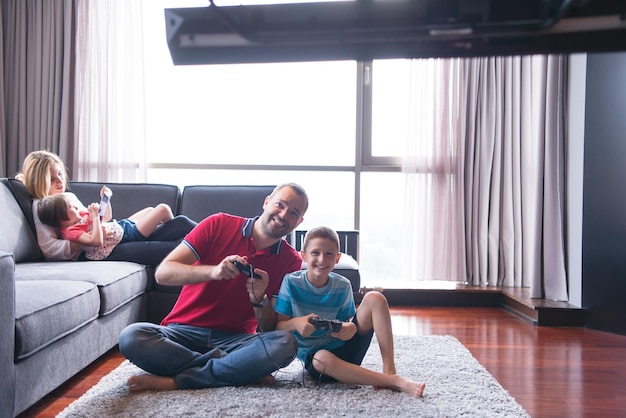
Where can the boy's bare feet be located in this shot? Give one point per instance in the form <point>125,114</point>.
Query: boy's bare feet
<point>142,382</point>
<point>409,386</point>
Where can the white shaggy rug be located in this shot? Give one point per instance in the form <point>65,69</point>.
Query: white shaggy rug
<point>456,385</point>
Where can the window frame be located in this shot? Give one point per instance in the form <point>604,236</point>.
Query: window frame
<point>369,161</point>
<point>364,160</point>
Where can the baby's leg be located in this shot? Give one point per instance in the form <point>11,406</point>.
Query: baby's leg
<point>148,219</point>
<point>373,314</point>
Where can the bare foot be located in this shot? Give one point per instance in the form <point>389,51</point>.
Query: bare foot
<point>142,382</point>
<point>410,387</point>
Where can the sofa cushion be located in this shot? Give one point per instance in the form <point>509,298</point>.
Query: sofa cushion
<point>17,235</point>
<point>128,198</point>
<point>198,202</point>
<point>47,310</point>
<point>117,281</point>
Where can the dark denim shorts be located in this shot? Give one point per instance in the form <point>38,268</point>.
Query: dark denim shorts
<point>131,233</point>
<point>353,351</point>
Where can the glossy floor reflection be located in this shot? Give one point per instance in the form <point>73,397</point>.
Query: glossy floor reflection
<point>550,371</point>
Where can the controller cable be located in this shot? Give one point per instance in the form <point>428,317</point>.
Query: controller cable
<point>314,348</point>
<point>259,321</point>
<point>278,367</point>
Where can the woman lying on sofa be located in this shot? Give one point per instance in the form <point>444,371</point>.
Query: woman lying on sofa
<point>44,174</point>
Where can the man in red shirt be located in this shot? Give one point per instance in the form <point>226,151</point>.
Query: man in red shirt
<point>210,338</point>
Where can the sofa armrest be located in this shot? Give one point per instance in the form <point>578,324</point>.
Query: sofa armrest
<point>7,333</point>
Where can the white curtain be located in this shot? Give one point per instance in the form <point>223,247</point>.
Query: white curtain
<point>485,172</point>
<point>110,143</point>
<point>433,233</point>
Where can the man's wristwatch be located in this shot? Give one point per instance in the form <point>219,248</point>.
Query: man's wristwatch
<point>263,303</point>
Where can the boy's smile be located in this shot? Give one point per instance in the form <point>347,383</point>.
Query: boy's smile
<point>321,256</point>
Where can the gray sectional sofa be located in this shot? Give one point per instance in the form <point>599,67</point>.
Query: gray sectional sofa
<point>58,317</point>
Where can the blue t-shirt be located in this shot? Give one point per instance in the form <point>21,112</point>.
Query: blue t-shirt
<point>298,297</point>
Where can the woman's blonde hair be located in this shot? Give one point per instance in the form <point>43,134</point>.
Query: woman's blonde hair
<point>36,172</point>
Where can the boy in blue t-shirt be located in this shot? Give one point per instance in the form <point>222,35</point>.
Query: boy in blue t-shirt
<point>318,292</point>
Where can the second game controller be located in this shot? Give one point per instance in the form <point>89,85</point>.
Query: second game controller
<point>334,325</point>
<point>246,269</point>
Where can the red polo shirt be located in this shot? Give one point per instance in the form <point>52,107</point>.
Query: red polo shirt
<point>225,304</point>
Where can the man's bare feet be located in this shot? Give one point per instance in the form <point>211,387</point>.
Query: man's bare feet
<point>142,382</point>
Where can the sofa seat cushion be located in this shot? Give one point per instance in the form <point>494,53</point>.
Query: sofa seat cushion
<point>118,281</point>
<point>47,310</point>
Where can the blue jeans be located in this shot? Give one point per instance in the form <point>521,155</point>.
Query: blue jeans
<point>173,230</point>
<point>199,358</point>
<point>158,245</point>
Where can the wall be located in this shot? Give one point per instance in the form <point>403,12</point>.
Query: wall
<point>575,165</point>
<point>604,194</point>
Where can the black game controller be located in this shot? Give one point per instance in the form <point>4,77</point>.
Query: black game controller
<point>246,269</point>
<point>334,325</point>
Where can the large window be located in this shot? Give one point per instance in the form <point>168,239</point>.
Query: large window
<point>337,128</point>
<point>390,108</point>
<point>257,114</point>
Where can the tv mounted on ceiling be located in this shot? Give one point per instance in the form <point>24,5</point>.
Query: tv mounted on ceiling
<point>371,29</point>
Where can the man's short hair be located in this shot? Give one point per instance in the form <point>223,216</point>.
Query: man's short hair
<point>296,188</point>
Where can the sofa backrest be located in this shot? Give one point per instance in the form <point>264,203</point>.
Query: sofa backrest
<point>17,234</point>
<point>198,202</point>
<point>348,242</point>
<point>128,198</point>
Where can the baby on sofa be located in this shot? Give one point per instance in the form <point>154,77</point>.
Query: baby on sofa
<point>65,212</point>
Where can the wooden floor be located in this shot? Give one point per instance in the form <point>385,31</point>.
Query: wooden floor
<point>550,371</point>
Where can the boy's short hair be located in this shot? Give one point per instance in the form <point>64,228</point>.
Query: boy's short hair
<point>52,210</point>
<point>321,232</point>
